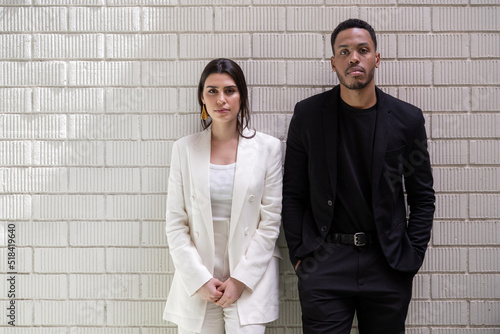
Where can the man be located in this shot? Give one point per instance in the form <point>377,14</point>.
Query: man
<point>351,153</point>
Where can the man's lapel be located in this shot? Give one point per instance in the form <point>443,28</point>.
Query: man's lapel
<point>382,131</point>
<point>330,129</point>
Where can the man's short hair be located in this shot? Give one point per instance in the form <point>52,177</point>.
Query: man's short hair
<point>353,23</point>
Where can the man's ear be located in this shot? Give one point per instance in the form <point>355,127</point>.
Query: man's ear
<point>332,61</point>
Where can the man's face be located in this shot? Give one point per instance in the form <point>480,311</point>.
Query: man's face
<point>355,58</point>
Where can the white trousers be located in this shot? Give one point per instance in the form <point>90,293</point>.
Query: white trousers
<point>220,320</point>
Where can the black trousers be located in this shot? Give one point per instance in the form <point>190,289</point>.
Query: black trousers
<point>338,281</point>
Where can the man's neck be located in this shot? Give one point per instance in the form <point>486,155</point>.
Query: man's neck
<point>359,98</point>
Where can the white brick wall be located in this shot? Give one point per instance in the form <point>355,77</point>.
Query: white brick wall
<point>94,92</point>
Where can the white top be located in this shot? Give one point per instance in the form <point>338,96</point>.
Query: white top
<point>221,190</point>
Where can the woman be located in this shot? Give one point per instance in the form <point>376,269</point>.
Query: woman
<point>224,214</point>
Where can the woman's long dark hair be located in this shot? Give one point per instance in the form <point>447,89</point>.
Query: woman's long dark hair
<point>223,65</point>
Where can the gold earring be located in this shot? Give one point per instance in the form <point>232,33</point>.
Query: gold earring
<point>242,114</point>
<point>204,114</point>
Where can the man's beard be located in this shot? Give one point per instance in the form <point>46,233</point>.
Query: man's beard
<point>357,84</point>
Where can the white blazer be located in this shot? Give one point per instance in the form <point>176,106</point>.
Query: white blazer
<point>254,227</point>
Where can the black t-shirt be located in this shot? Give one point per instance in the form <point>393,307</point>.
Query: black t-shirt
<point>353,211</point>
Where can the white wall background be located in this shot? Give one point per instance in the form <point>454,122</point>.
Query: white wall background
<point>94,92</point>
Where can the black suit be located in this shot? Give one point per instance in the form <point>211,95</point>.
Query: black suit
<point>400,162</point>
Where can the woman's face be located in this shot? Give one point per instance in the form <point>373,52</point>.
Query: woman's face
<point>221,98</point>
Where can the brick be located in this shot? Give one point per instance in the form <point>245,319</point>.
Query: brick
<point>465,18</point>
<point>437,98</point>
<point>466,126</point>
<point>108,127</point>
<point>24,315</point>
<point>421,287</point>
<point>168,126</point>
<point>15,100</point>
<point>485,45</point>
<point>208,46</point>
<point>68,46</point>
<point>69,260</point>
<point>484,260</point>
<point>132,207</point>
<point>457,330</point>
<point>120,100</point>
<point>15,207</point>
<point>309,19</point>
<point>38,287</point>
<point>155,286</point>
<point>431,46</point>
<point>484,151</point>
<point>33,19</point>
<point>215,2</point>
<point>51,73</point>
<point>104,180</point>
<point>449,152</point>
<point>477,179</point>
<point>86,73</point>
<point>139,313</point>
<point>362,2</point>
<point>15,47</point>
<point>289,315</point>
<point>486,206</point>
<point>468,233</point>
<point>104,233</point>
<point>106,287</point>
<point>69,2</point>
<point>433,2</point>
<point>486,98</point>
<point>68,100</point>
<point>466,72</point>
<point>106,330</point>
<point>287,46</point>
<point>404,73</point>
<point>397,19</point>
<point>32,330</point>
<point>64,313</point>
<point>188,101</point>
<point>153,153</point>
<point>153,234</point>
<point>249,19</point>
<point>437,313</point>
<point>186,19</point>
<point>154,180</point>
<point>24,259</point>
<point>279,100</point>
<point>16,2</point>
<point>310,73</point>
<point>485,313</point>
<point>264,72</point>
<point>161,73</point>
<point>33,126</point>
<point>144,46</point>
<point>465,286</point>
<point>449,206</point>
<point>104,19</point>
<point>134,260</point>
<point>46,234</point>
<point>445,260</point>
<point>386,45</point>
<point>274,125</point>
<point>15,153</point>
<point>47,153</point>
<point>50,207</point>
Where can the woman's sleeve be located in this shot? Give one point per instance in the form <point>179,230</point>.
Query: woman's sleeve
<point>254,263</point>
<point>187,261</point>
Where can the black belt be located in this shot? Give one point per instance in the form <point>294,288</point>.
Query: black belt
<point>356,239</point>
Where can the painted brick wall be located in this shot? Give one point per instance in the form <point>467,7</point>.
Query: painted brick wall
<point>94,92</point>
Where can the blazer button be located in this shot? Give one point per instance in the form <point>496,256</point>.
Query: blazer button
<point>323,228</point>
<point>193,198</point>
<point>251,198</point>
<point>196,234</point>
<point>330,203</point>
<point>246,231</point>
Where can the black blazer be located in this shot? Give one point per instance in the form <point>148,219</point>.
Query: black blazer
<point>400,163</point>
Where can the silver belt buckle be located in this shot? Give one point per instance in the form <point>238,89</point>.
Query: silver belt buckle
<point>359,239</point>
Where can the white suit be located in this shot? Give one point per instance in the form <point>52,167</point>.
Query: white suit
<point>254,228</point>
